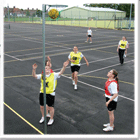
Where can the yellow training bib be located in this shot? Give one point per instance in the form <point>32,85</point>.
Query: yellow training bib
<point>76,57</point>
<point>123,44</point>
<point>50,84</point>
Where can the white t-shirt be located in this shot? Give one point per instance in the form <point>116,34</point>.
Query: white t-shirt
<point>89,32</point>
<point>126,45</point>
<point>112,88</point>
<point>56,75</point>
<point>76,64</point>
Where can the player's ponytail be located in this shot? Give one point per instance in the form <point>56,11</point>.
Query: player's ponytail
<point>115,73</point>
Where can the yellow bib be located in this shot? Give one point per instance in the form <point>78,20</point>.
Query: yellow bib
<point>123,44</point>
<point>50,84</point>
<point>76,57</point>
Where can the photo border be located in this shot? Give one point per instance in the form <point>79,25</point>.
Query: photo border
<point>136,106</point>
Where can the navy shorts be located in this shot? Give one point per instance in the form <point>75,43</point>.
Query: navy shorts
<point>112,105</point>
<point>49,99</point>
<point>75,68</point>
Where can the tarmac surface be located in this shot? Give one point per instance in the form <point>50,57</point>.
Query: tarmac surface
<point>76,112</point>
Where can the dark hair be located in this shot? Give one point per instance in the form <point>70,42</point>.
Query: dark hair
<point>115,73</point>
<point>125,37</point>
<point>46,62</point>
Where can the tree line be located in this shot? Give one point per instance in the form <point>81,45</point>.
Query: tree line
<point>122,7</point>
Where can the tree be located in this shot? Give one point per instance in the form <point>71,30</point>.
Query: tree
<point>39,13</point>
<point>122,7</point>
<point>27,13</point>
<point>33,15</point>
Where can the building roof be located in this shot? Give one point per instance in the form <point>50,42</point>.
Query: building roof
<point>94,9</point>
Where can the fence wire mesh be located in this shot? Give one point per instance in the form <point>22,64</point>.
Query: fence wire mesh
<point>94,19</point>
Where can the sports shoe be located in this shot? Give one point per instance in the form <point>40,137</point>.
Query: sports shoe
<point>75,87</point>
<point>48,115</point>
<point>50,121</point>
<point>73,82</point>
<point>124,55</point>
<point>90,42</point>
<point>42,120</point>
<point>108,124</point>
<point>108,129</point>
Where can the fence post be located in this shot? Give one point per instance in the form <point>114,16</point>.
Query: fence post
<point>14,17</point>
<point>71,17</point>
<point>8,13</point>
<point>64,17</point>
<point>87,18</point>
<point>79,18</point>
<point>96,19</point>
<point>105,20</point>
<point>32,18</point>
<point>44,75</point>
<point>130,17</point>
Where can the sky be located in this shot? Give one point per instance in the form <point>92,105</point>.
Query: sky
<point>24,4</point>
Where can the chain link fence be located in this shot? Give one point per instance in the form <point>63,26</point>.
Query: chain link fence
<point>95,20</point>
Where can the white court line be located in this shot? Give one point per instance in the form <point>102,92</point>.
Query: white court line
<point>71,40</point>
<point>94,36</point>
<point>8,40</point>
<point>95,61</point>
<point>13,57</point>
<point>84,39</point>
<point>104,68</point>
<point>45,43</point>
<point>41,52</point>
<point>85,34</point>
<point>99,88</point>
<point>77,34</point>
<point>65,49</point>
<point>64,53</point>
<point>30,39</point>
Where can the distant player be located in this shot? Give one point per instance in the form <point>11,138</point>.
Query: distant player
<point>126,47</point>
<point>89,35</point>
<point>75,57</point>
<point>122,49</point>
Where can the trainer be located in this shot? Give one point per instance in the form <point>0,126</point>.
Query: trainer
<point>122,47</point>
<point>51,83</point>
<point>111,94</point>
<point>75,57</point>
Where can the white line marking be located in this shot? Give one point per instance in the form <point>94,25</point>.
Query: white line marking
<point>104,68</point>
<point>10,40</point>
<point>64,53</point>
<point>13,57</point>
<point>93,38</point>
<point>41,52</point>
<point>46,43</point>
<point>99,88</point>
<point>64,49</point>
<point>95,61</point>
